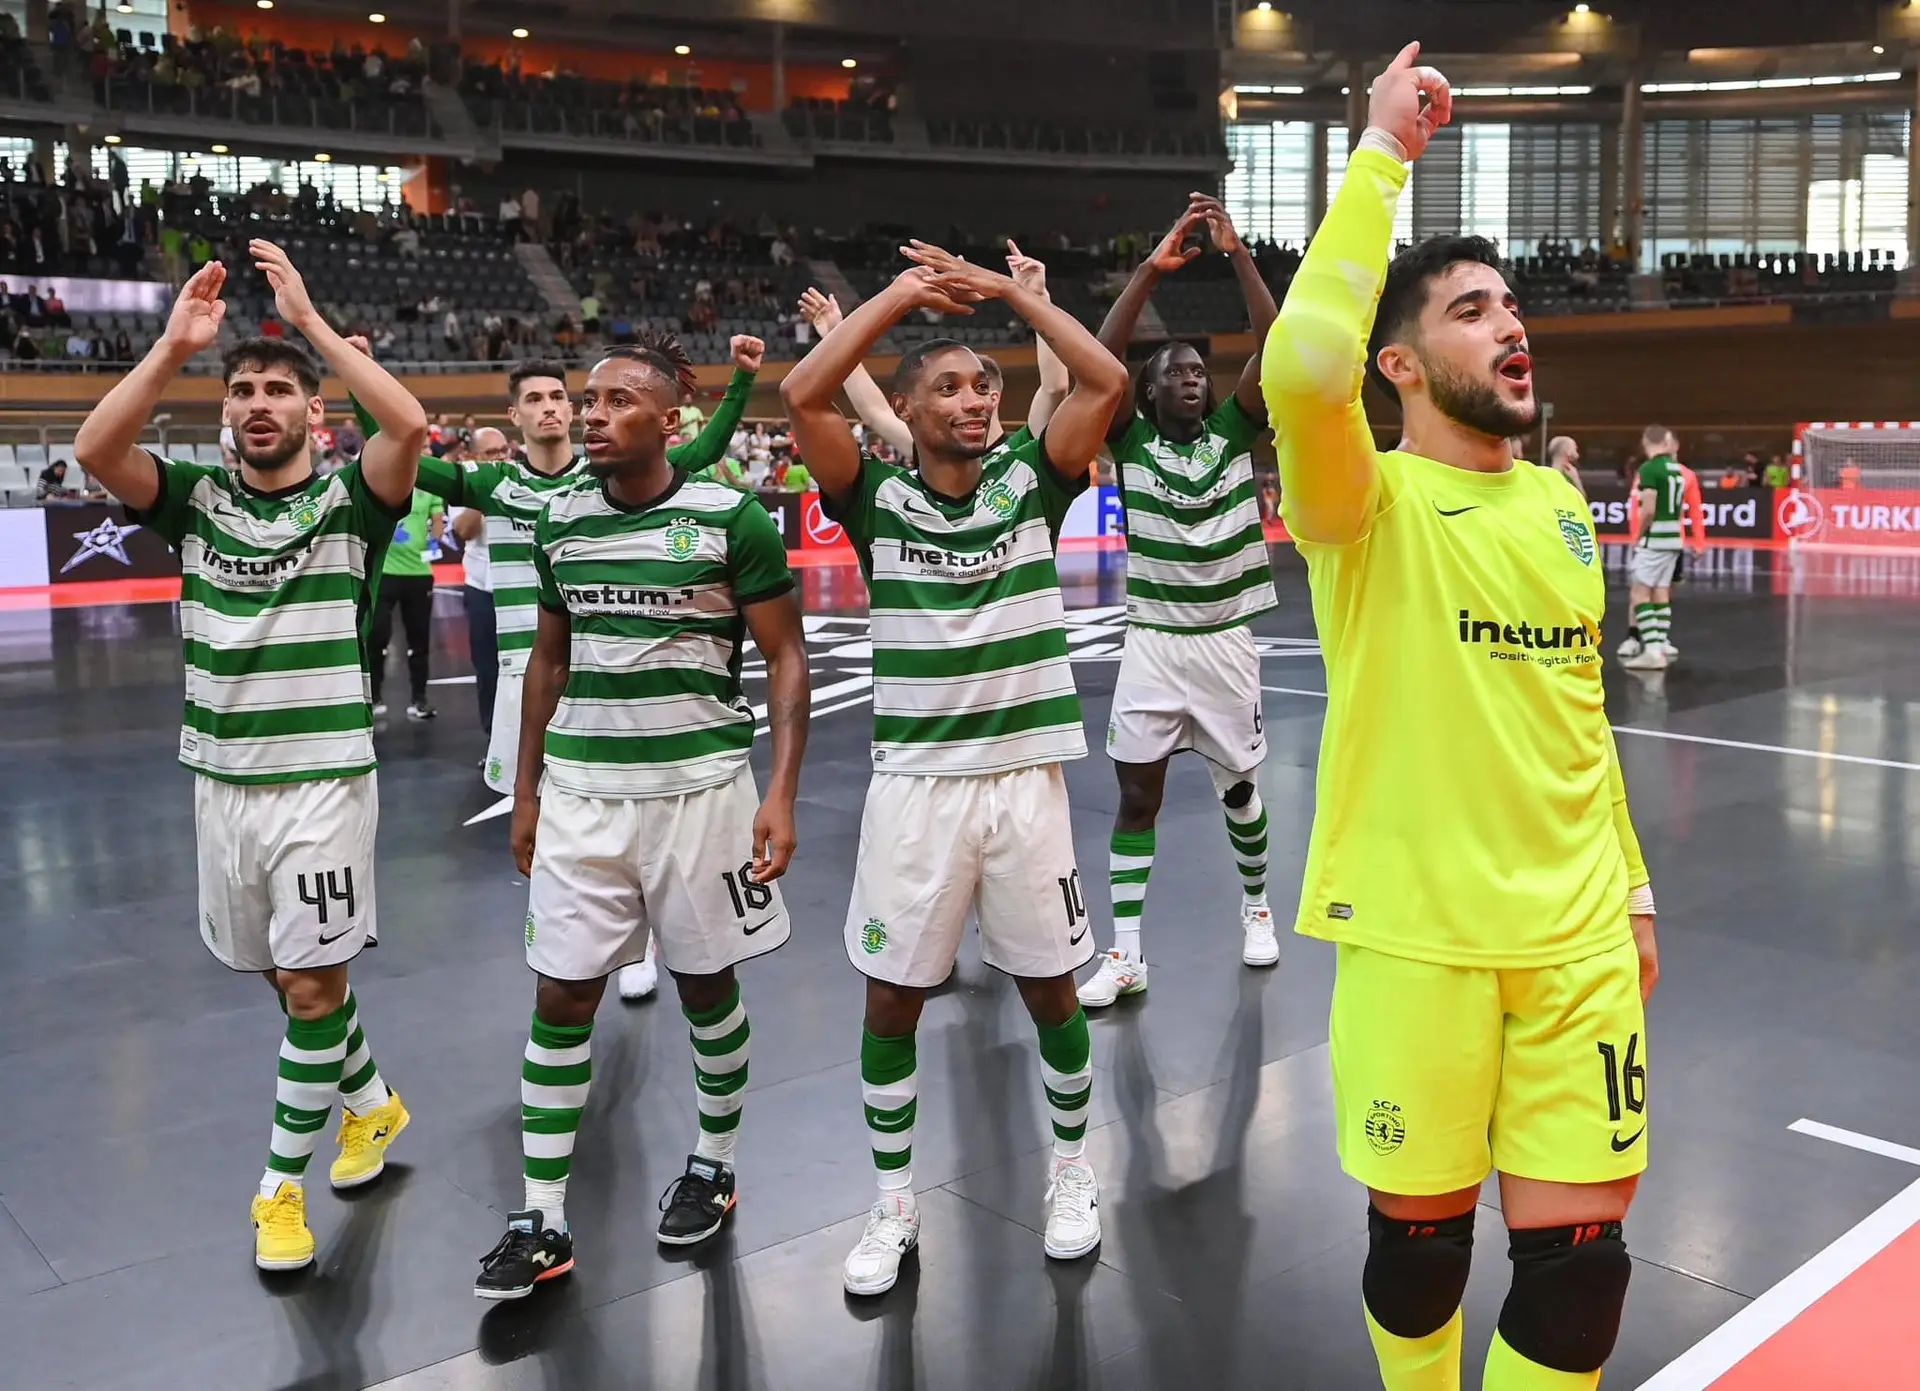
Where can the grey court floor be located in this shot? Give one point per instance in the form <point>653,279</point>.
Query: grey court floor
<point>136,1076</point>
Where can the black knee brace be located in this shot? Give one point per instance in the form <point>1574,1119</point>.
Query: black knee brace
<point>1416,1271</point>
<point>1569,1286</point>
<point>1238,795</point>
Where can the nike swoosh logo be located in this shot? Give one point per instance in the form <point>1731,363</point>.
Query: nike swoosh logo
<point>1622,1146</point>
<point>757,926</point>
<point>324,941</point>
<point>1076,940</point>
<point>1456,511</point>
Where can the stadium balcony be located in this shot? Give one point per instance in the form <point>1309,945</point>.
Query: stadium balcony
<point>1079,147</point>
<point>818,119</point>
<point>530,112</point>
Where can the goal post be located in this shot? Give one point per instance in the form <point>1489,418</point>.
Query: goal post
<point>1856,487</point>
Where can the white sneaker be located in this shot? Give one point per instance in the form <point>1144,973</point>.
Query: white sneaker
<point>1673,653</point>
<point>379,708</point>
<point>639,979</point>
<point>893,1229</point>
<point>1119,974</point>
<point>1261,947</point>
<point>1629,648</point>
<point>1648,659</point>
<point>1073,1210</point>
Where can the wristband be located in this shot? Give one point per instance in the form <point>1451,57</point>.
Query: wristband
<point>1640,902</point>
<point>1374,138</point>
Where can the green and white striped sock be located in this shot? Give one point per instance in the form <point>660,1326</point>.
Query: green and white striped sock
<point>1665,619</point>
<point>1247,829</point>
<point>361,1086</point>
<point>553,1092</point>
<point>1646,618</point>
<point>1066,1068</point>
<point>1129,862</point>
<point>891,1094</point>
<point>720,1039</point>
<point>310,1059</point>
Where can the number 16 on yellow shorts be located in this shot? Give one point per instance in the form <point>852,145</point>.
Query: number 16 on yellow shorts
<point>1442,1074</point>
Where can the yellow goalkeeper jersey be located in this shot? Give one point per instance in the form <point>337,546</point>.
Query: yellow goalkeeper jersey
<point>1470,806</point>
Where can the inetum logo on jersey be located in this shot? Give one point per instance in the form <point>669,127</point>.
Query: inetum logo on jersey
<point>1568,644</point>
<point>931,558</point>
<point>620,601</point>
<point>260,572</point>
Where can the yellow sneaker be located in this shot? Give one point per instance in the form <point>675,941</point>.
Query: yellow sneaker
<point>364,1141</point>
<point>281,1240</point>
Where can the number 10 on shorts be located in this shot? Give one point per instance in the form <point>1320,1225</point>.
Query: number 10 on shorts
<point>1070,892</point>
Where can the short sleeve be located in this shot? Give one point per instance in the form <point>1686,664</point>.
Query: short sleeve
<point>855,510</point>
<point>1057,491</point>
<point>172,512</point>
<point>463,487</point>
<point>1130,441</point>
<point>1232,423</point>
<point>373,519</point>
<point>756,555</point>
<point>543,567</point>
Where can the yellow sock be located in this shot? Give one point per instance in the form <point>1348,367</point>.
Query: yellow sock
<point>1431,1363</point>
<point>1507,1370</point>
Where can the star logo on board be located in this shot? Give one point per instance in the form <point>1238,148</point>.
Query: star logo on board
<point>108,540</point>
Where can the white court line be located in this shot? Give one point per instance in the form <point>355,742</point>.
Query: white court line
<point>1728,1345</point>
<point>466,680</point>
<point>1699,739</point>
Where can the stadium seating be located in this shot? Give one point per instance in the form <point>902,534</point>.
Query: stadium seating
<point>510,102</point>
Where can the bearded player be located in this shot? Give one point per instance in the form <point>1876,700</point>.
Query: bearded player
<point>1471,852</point>
<point>278,571</point>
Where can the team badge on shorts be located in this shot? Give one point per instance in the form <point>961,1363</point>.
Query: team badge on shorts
<point>1113,733</point>
<point>1573,530</point>
<point>999,499</point>
<point>529,927</point>
<point>493,770</point>
<point>304,512</point>
<point>873,937</point>
<point>683,539</point>
<point>1386,1132</point>
<point>213,930</point>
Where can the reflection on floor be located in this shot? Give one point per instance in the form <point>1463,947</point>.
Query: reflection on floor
<point>138,1075</point>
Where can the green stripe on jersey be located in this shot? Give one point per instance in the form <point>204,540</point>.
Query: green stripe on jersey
<point>275,599</point>
<point>970,664</point>
<point>653,705</point>
<point>1196,552</point>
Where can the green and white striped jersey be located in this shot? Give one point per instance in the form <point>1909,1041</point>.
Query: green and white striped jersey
<point>970,669</point>
<point>1662,531</point>
<point>656,598</point>
<point>1196,553</point>
<point>276,595</point>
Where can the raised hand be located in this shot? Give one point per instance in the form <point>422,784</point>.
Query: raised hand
<point>194,324</point>
<point>358,342</point>
<point>1410,102</point>
<point>1169,256</point>
<point>1027,273</point>
<point>289,290</point>
<point>924,290</point>
<point>958,277</point>
<point>748,352</point>
<point>822,311</point>
<point>1219,224</point>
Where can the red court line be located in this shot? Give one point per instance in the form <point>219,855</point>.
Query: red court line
<point>1862,1335</point>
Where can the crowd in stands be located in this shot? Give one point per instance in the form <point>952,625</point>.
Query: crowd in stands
<point>82,226</point>
<point>503,95</point>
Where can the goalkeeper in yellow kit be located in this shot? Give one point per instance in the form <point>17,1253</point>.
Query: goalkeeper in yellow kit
<point>1471,854</point>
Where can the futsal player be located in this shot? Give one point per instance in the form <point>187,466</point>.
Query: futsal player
<point>1664,489</point>
<point>1197,576</point>
<point>974,714</point>
<point>278,571</point>
<point>490,446</point>
<point>647,822</point>
<point>406,584</point>
<point>1471,852</point>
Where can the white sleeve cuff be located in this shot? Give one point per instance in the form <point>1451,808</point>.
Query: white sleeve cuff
<point>1374,138</point>
<point>1640,902</point>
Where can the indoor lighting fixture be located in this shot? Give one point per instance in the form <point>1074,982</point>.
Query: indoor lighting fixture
<point>520,33</point>
<point>1583,9</point>
<point>1270,91</point>
<point>263,4</point>
<point>124,7</point>
<point>849,62</point>
<point>1523,91</point>
<point>324,158</point>
<point>113,139</point>
<point>1878,49</point>
<point>680,50</point>
<point>1769,83</point>
<point>376,18</point>
<point>219,149</point>
<point>1265,6</point>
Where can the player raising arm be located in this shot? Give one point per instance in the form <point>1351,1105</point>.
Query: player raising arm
<point>1471,852</point>
<point>974,713</point>
<point>278,569</point>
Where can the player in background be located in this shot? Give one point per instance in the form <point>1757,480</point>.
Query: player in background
<point>1471,854</point>
<point>1197,576</point>
<point>636,814</point>
<point>1663,492</point>
<point>874,409</point>
<point>1563,456</point>
<point>406,583</point>
<point>974,714</point>
<point>278,572</point>
<point>490,446</point>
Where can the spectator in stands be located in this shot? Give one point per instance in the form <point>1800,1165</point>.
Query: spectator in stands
<point>56,309</point>
<point>1777,473</point>
<point>450,333</point>
<point>24,348</point>
<point>781,252</point>
<point>510,217</point>
<point>52,487</point>
<point>1750,470</point>
<point>79,345</point>
<point>122,347</point>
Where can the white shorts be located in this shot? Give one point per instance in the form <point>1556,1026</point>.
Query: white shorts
<point>931,848</point>
<point>608,872</point>
<point>1198,691</point>
<point>503,744</point>
<point>286,870</point>
<point>1654,569</point>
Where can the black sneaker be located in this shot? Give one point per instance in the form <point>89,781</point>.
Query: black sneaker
<point>420,710</point>
<point>696,1203</point>
<point>525,1256</point>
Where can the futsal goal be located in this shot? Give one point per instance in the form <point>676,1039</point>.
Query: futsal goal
<point>1856,487</point>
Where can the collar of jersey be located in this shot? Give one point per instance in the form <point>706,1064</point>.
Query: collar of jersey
<point>292,490</point>
<point>679,481</point>
<point>1464,477</point>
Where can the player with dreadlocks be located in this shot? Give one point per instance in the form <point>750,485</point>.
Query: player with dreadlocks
<point>1197,574</point>
<point>635,811</point>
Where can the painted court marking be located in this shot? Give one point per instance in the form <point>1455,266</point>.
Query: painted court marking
<point>1785,749</point>
<point>1838,1323</point>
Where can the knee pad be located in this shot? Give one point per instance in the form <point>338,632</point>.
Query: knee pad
<point>1569,1287</point>
<point>1416,1271</point>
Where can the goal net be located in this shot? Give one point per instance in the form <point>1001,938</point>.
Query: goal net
<point>1856,487</point>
